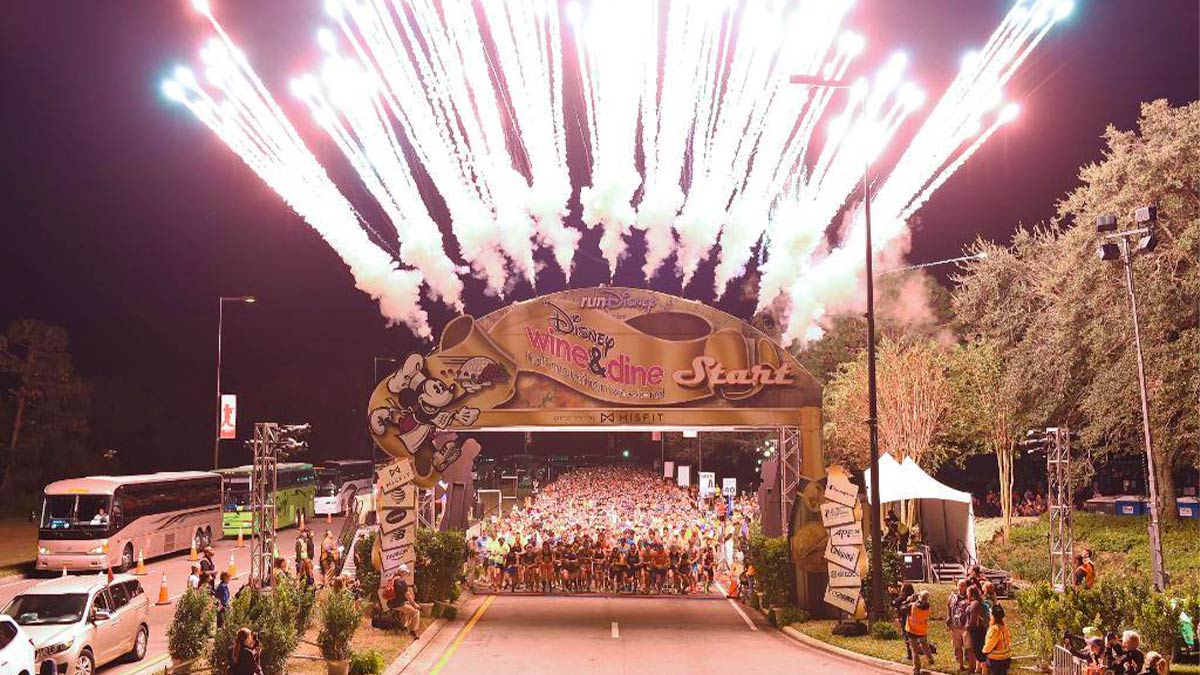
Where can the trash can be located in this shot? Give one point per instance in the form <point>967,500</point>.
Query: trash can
<point>1189,507</point>
<point>1130,506</point>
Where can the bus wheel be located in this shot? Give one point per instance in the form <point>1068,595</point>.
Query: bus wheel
<point>126,558</point>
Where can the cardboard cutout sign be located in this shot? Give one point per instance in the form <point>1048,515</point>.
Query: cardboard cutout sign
<point>844,552</point>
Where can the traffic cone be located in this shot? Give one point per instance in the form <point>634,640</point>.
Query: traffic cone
<point>192,555</point>
<point>164,597</point>
<point>329,517</point>
<point>232,567</point>
<point>141,565</point>
<point>300,520</point>
<point>240,543</point>
<point>64,570</point>
<point>110,574</point>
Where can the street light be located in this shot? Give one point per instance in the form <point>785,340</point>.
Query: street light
<point>249,300</point>
<point>1119,244</point>
<point>877,590</point>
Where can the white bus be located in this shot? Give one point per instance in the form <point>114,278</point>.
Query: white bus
<point>92,523</point>
<point>339,482</point>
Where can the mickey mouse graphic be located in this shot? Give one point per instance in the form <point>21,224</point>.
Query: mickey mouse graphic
<point>418,412</point>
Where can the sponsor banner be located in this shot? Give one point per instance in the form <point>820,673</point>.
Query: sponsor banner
<point>668,469</point>
<point>844,556</point>
<point>392,558</point>
<point>729,487</point>
<point>846,535</point>
<point>228,416</point>
<point>635,418</point>
<point>834,514</point>
<point>848,600</point>
<point>684,477</point>
<point>708,483</point>
<point>840,577</point>
<point>396,474</point>
<point>839,489</point>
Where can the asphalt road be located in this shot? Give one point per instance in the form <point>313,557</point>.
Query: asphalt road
<point>585,635</point>
<point>176,568</point>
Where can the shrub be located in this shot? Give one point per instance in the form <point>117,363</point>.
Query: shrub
<point>369,662</point>
<point>440,560</point>
<point>194,619</point>
<point>296,600</point>
<point>885,630</point>
<point>364,568</point>
<point>272,616</point>
<point>339,616</point>
<point>775,576</point>
<point>787,616</point>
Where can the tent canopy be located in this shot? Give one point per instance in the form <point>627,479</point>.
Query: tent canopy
<point>945,514</point>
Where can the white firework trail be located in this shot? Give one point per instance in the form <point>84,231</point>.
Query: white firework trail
<point>695,136</point>
<point>240,111</point>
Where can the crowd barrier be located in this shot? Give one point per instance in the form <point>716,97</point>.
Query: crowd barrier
<point>1066,663</point>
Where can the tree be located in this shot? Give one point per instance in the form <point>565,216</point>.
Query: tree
<point>914,397</point>
<point>986,411</point>
<point>1061,317</point>
<point>45,402</point>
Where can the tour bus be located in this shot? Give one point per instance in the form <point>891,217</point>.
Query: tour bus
<point>295,487</point>
<point>101,521</point>
<point>339,482</point>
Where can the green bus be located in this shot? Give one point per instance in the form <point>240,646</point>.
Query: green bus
<point>296,486</point>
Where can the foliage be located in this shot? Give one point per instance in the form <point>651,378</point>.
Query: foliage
<point>893,568</point>
<point>339,617</point>
<point>885,630</point>
<point>986,411</point>
<point>1061,316</point>
<point>440,560</point>
<point>1114,604</point>
<point>914,401</point>
<point>43,406</point>
<point>272,616</point>
<point>775,576</point>
<point>786,616</point>
<point>364,568</point>
<point>369,662</point>
<point>296,600</point>
<point>193,621</point>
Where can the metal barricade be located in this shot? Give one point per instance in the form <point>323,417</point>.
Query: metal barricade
<point>1066,663</point>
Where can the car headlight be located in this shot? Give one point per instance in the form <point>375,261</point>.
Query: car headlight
<point>42,550</point>
<point>101,549</point>
<point>56,648</point>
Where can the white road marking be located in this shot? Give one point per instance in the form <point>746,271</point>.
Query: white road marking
<point>616,632</point>
<point>736,607</point>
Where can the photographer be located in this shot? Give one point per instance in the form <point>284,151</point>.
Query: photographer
<point>1132,660</point>
<point>244,655</point>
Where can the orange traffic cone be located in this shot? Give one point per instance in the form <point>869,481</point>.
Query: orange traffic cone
<point>329,517</point>
<point>232,567</point>
<point>300,520</point>
<point>192,556</point>
<point>110,574</point>
<point>141,565</point>
<point>164,597</point>
<point>240,543</point>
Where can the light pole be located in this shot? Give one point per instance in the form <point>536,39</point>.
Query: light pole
<point>374,383</point>
<point>877,610</point>
<point>1120,245</point>
<point>248,299</point>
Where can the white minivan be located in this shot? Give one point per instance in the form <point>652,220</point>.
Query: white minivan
<point>85,622</point>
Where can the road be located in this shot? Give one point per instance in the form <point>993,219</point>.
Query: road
<point>177,568</point>
<point>589,635</point>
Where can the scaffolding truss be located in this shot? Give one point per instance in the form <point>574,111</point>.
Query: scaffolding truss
<point>1062,534</point>
<point>789,473</point>
<point>263,484</point>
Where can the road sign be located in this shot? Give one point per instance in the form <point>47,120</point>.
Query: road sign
<point>729,487</point>
<point>228,416</point>
<point>708,483</point>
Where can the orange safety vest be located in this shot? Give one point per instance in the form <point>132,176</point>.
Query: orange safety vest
<point>998,645</point>
<point>1089,574</point>
<point>918,621</point>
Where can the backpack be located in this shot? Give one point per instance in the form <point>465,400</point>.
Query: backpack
<point>960,613</point>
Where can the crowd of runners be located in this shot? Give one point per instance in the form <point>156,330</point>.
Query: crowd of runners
<point>613,530</point>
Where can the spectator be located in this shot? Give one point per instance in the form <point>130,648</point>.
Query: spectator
<point>977,625</point>
<point>244,654</point>
<point>1132,660</point>
<point>1079,575</point>
<point>998,644</point>
<point>901,602</point>
<point>1155,664</point>
<point>221,595</point>
<point>193,580</point>
<point>1089,568</point>
<point>917,630</point>
<point>208,567</point>
<point>1113,651</point>
<point>957,609</point>
<point>403,602</point>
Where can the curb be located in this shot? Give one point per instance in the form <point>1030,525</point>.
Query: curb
<point>413,650</point>
<point>820,645</point>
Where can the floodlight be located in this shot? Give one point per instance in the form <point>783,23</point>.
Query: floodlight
<point>1147,243</point>
<point>1109,252</point>
<point>1146,214</point>
<point>1106,223</point>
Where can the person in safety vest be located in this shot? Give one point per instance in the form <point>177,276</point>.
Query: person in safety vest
<point>998,645</point>
<point>917,628</point>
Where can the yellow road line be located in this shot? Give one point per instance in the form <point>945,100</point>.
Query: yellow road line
<point>458,640</point>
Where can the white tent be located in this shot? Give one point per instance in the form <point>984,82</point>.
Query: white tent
<point>945,514</point>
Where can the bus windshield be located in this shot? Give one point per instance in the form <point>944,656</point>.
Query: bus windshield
<point>34,610</point>
<point>237,494</point>
<point>67,512</point>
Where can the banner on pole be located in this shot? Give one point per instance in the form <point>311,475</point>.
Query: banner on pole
<point>228,416</point>
<point>708,483</point>
<point>668,469</point>
<point>729,487</point>
<point>684,477</point>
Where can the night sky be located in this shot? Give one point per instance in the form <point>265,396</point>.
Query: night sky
<point>124,219</point>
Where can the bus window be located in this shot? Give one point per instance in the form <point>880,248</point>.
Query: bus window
<point>58,512</point>
<point>62,512</point>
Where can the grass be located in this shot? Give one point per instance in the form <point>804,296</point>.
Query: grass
<point>893,650</point>
<point>20,545</point>
<point>1120,545</point>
